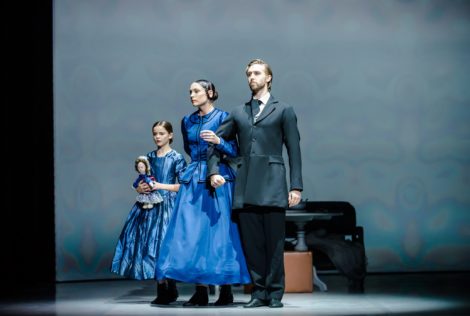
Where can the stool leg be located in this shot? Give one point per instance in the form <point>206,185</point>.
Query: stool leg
<point>317,282</point>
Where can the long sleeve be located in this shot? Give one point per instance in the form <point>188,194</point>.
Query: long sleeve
<point>184,132</point>
<point>292,142</point>
<point>228,147</point>
<point>228,143</point>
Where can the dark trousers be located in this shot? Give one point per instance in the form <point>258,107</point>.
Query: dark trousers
<point>263,233</point>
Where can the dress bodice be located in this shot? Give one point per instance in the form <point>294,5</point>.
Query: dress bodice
<point>196,147</point>
<point>166,169</point>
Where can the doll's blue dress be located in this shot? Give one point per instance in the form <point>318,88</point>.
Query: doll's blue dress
<point>153,197</point>
<point>139,244</point>
<point>202,243</point>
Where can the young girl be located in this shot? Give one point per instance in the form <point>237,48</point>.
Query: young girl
<point>139,244</point>
<point>142,166</point>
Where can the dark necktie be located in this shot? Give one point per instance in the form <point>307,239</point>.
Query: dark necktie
<point>254,107</point>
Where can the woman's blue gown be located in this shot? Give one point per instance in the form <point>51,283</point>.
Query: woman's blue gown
<point>139,244</point>
<point>202,244</point>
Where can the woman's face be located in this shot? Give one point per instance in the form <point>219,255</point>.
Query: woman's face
<point>161,137</point>
<point>141,167</point>
<point>198,95</point>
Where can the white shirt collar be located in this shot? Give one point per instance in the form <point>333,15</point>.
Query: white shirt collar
<point>264,99</point>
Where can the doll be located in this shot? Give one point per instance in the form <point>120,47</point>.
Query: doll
<point>142,166</point>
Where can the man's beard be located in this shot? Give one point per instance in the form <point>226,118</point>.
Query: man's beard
<point>255,87</point>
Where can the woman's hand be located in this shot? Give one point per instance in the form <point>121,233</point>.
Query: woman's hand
<point>209,136</point>
<point>143,187</point>
<point>217,180</point>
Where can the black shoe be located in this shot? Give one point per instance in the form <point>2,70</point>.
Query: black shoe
<point>172,290</point>
<point>356,286</point>
<point>225,296</point>
<point>161,300</point>
<point>200,298</point>
<point>255,302</point>
<point>162,295</point>
<point>275,303</point>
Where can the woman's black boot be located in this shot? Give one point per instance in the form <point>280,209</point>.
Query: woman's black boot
<point>162,295</point>
<point>200,298</point>
<point>172,290</point>
<point>225,296</point>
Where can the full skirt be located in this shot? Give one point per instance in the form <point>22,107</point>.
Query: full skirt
<point>202,243</point>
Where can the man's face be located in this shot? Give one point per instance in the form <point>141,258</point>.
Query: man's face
<point>257,77</point>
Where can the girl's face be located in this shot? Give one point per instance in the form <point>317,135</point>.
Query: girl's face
<point>198,94</point>
<point>161,137</point>
<point>141,167</point>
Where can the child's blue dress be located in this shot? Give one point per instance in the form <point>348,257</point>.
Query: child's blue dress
<point>139,244</point>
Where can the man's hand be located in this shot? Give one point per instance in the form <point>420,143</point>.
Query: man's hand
<point>294,197</point>
<point>217,180</point>
<point>143,187</point>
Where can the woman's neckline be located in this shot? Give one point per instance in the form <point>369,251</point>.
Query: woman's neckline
<point>199,113</point>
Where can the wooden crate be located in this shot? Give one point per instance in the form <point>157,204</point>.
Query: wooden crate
<point>299,271</point>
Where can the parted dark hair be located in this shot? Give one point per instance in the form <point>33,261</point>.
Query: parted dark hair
<point>166,125</point>
<point>207,85</point>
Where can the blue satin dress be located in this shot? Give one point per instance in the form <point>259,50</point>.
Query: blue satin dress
<point>139,244</point>
<point>202,244</point>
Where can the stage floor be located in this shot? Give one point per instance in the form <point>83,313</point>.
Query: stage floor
<point>385,294</point>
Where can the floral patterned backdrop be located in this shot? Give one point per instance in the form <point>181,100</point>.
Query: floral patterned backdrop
<point>381,90</point>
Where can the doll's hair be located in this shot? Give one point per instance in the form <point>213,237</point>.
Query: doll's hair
<point>144,160</point>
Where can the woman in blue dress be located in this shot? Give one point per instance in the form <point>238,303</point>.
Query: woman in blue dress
<point>140,241</point>
<point>202,244</point>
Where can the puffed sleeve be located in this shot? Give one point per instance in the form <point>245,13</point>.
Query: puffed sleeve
<point>180,164</point>
<point>136,182</point>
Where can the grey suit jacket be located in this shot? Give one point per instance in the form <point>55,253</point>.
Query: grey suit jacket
<point>261,173</point>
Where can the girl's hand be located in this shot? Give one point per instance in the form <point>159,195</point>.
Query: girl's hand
<point>209,136</point>
<point>217,180</point>
<point>156,185</point>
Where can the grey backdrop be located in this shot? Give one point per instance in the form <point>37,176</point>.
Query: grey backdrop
<point>381,89</point>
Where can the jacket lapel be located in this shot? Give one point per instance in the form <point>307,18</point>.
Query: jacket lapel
<point>268,109</point>
<point>248,111</point>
